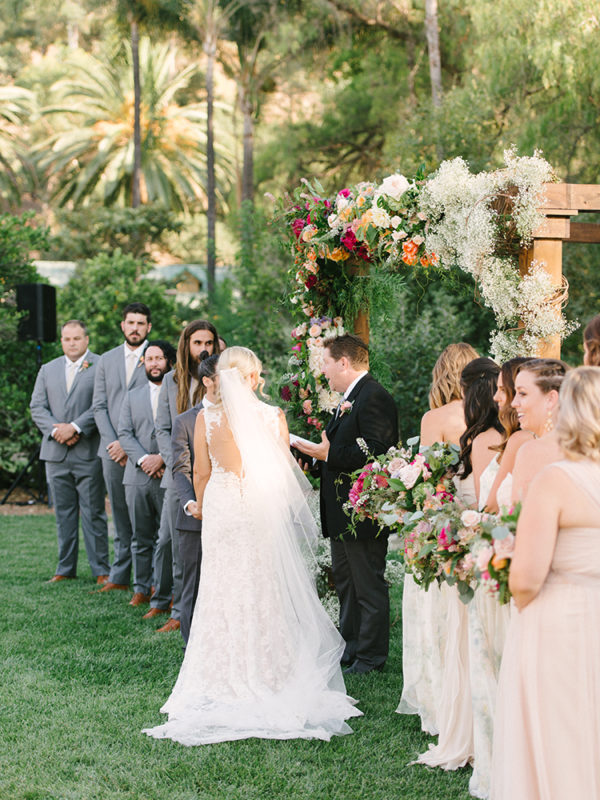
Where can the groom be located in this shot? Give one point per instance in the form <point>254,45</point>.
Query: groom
<point>358,562</point>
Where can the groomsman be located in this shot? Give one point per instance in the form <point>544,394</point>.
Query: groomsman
<point>180,391</point>
<point>358,563</point>
<point>61,407</point>
<point>145,465</point>
<point>119,369</point>
<point>188,524</point>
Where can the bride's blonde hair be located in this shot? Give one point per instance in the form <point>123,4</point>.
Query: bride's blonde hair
<point>245,361</point>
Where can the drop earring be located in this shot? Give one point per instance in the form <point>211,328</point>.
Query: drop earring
<point>549,424</point>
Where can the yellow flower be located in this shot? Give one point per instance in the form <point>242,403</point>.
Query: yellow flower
<point>339,254</point>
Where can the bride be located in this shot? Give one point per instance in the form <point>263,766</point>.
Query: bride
<point>263,658</point>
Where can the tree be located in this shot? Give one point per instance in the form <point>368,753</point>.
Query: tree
<point>16,170</point>
<point>91,155</point>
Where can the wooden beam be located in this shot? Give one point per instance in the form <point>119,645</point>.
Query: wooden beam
<point>580,196</point>
<point>554,228</point>
<point>548,253</point>
<point>588,232</point>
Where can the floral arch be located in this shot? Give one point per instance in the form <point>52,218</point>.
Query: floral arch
<point>504,228</point>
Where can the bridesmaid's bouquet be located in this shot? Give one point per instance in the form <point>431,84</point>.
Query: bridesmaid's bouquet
<point>392,487</point>
<point>493,550</point>
<point>438,547</point>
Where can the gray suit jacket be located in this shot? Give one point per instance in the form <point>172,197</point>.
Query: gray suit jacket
<point>50,404</point>
<point>109,391</point>
<point>165,414</point>
<point>137,433</point>
<point>182,442</point>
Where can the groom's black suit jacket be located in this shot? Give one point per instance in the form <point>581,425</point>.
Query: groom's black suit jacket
<point>374,418</point>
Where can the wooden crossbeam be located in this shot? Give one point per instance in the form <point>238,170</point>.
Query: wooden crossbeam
<point>580,196</point>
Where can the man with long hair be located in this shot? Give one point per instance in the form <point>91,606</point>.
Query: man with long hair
<point>180,391</point>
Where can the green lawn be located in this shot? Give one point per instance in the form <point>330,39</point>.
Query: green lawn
<point>82,674</point>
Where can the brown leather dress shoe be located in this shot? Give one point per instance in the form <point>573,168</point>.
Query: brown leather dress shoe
<point>154,612</point>
<point>58,578</point>
<point>108,587</point>
<point>170,625</point>
<point>101,580</point>
<point>139,599</point>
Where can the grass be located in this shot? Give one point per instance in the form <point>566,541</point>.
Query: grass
<point>82,674</point>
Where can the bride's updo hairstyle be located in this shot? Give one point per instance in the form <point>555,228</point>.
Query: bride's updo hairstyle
<point>548,373</point>
<point>445,377</point>
<point>479,380</point>
<point>591,339</point>
<point>578,425</point>
<point>245,361</point>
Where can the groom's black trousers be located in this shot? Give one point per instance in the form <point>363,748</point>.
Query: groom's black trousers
<point>358,567</point>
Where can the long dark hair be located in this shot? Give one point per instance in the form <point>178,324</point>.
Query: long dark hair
<point>185,367</point>
<point>479,381</point>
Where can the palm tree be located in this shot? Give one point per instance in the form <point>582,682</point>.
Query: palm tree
<point>92,154</point>
<point>16,171</point>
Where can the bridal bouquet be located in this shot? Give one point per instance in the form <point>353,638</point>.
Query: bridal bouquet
<point>389,489</point>
<point>492,552</point>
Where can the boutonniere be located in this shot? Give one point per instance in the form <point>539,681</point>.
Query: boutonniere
<point>346,407</point>
<point>85,365</point>
<point>141,361</point>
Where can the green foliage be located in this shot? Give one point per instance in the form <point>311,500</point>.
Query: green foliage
<point>253,311</point>
<point>99,290</point>
<point>84,234</point>
<point>18,364</point>
<point>409,330</point>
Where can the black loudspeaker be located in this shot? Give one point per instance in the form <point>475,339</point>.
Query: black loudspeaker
<point>38,300</point>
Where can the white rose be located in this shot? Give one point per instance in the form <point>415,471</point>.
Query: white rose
<point>396,221</point>
<point>483,558</point>
<point>333,220</point>
<point>398,235</point>
<point>409,475</point>
<point>380,217</point>
<point>341,202</point>
<point>470,518</point>
<point>394,186</point>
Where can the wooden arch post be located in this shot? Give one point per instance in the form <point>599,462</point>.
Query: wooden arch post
<point>563,201</point>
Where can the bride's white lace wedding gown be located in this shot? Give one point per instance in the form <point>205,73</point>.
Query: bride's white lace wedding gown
<point>263,656</point>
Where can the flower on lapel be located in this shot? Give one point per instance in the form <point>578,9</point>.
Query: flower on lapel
<point>141,361</point>
<point>84,365</point>
<point>346,407</point>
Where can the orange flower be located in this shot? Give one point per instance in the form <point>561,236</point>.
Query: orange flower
<point>410,260</point>
<point>410,248</point>
<point>424,261</point>
<point>339,254</point>
<point>499,563</point>
<point>433,259</point>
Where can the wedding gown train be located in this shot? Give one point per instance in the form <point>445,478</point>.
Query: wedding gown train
<point>547,726</point>
<point>263,656</point>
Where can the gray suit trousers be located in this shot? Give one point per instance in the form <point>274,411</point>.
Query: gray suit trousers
<point>145,508</point>
<point>77,488</point>
<point>190,550</point>
<point>167,564</point>
<point>120,572</point>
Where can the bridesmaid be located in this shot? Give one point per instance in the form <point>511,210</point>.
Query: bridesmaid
<point>591,342</point>
<point>500,492</point>
<point>455,718</point>
<point>536,402</point>
<point>547,732</point>
<point>424,613</point>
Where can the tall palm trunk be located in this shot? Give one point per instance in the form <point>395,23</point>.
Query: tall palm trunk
<point>433,49</point>
<point>210,48</point>
<point>137,128</point>
<point>248,143</point>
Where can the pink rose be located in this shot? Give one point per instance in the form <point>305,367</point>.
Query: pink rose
<point>470,518</point>
<point>297,226</point>
<point>505,548</point>
<point>307,406</point>
<point>483,559</point>
<point>314,331</point>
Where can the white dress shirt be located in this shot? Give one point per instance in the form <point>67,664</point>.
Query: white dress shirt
<point>154,392</point>
<point>132,358</point>
<point>71,369</point>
